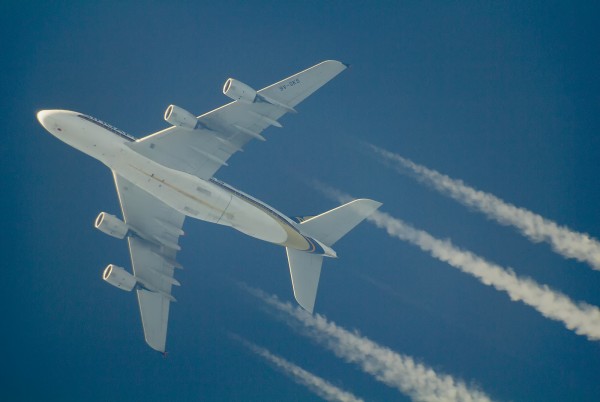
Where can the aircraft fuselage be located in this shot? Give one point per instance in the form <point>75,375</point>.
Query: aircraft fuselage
<point>208,200</point>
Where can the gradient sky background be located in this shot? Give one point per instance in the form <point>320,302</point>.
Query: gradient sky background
<point>503,95</point>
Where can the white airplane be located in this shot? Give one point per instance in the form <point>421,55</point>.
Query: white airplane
<point>166,176</point>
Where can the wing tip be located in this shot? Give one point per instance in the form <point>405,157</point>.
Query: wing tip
<point>332,62</point>
<point>372,203</point>
<point>159,347</point>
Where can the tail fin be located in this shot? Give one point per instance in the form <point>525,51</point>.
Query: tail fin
<point>329,227</point>
<point>332,225</point>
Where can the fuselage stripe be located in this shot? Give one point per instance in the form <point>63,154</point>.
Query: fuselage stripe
<point>108,127</point>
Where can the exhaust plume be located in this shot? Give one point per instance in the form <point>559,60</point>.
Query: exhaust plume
<point>564,241</point>
<point>419,382</point>
<point>580,317</point>
<point>315,384</point>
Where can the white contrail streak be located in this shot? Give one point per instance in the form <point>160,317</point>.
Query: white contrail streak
<point>568,243</point>
<point>580,317</point>
<point>317,385</point>
<point>419,382</point>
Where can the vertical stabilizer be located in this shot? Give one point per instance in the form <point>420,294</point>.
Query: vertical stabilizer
<point>305,270</point>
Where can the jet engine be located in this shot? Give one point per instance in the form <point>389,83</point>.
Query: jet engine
<point>118,277</point>
<point>237,90</point>
<point>111,225</point>
<point>180,117</point>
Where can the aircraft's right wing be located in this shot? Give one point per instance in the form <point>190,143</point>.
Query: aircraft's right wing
<point>152,255</point>
<point>224,131</point>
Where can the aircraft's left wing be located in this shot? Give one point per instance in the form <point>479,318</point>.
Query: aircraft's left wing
<point>218,134</point>
<point>153,252</point>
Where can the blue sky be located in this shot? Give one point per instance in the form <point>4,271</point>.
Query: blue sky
<point>503,96</point>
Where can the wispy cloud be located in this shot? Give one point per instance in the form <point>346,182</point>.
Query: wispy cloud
<point>399,371</point>
<point>567,242</point>
<point>316,384</point>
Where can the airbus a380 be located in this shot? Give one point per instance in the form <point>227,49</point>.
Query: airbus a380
<point>167,176</point>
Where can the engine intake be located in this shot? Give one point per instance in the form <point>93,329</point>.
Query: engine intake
<point>118,277</point>
<point>111,225</point>
<point>237,90</point>
<point>180,117</point>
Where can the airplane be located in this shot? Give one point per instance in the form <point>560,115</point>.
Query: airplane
<point>167,176</point>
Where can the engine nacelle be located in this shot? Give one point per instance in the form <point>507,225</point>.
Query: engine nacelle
<point>237,90</point>
<point>111,225</point>
<point>180,117</point>
<point>118,277</point>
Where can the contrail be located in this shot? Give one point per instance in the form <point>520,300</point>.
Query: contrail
<point>319,386</point>
<point>580,317</point>
<point>419,382</point>
<point>568,243</point>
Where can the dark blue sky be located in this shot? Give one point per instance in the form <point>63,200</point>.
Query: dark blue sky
<point>504,96</point>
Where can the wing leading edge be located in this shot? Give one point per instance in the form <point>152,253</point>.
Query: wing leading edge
<point>224,131</point>
<point>153,249</point>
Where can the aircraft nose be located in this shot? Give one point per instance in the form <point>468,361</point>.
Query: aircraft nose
<point>45,118</point>
<point>55,121</point>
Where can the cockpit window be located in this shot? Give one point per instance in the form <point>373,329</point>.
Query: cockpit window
<point>108,127</point>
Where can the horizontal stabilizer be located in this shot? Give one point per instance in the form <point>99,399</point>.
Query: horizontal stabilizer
<point>332,225</point>
<point>305,270</point>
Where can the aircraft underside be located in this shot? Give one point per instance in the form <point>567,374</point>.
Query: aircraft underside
<point>169,175</point>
